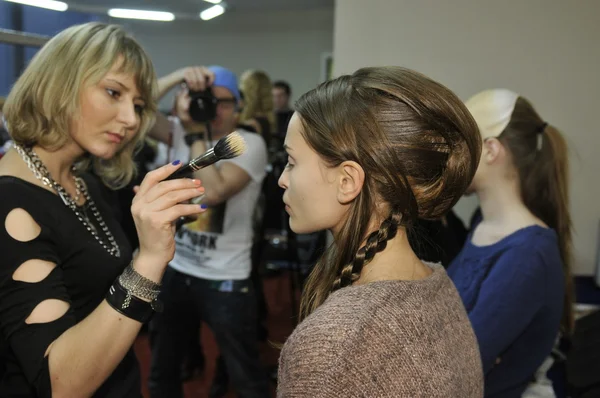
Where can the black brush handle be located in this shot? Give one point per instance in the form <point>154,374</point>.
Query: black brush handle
<point>181,221</point>
<point>184,172</point>
<point>206,159</point>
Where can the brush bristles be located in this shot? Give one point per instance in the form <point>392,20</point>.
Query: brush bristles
<point>231,146</point>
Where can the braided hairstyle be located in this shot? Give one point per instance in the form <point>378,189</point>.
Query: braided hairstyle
<point>419,148</point>
<point>376,242</point>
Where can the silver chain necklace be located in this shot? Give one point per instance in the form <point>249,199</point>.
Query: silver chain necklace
<point>39,170</point>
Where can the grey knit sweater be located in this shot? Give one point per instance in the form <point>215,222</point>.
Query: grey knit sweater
<point>385,339</point>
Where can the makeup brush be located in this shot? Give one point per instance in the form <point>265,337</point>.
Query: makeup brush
<point>228,147</point>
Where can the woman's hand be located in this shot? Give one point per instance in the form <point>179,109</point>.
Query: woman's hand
<point>156,205</point>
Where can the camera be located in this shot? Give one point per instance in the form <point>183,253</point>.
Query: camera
<point>203,106</point>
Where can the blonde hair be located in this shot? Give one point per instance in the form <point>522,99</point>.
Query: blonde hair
<point>258,97</point>
<point>45,98</point>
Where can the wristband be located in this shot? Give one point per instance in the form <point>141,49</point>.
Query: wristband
<point>126,304</point>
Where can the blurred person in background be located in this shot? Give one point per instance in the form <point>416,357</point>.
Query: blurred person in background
<point>257,111</point>
<point>282,94</point>
<point>209,277</point>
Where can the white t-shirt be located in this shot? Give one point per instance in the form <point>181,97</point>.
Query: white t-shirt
<point>217,245</point>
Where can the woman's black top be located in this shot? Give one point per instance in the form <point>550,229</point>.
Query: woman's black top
<point>83,275</point>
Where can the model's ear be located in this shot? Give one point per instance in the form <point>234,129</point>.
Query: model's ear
<point>351,178</point>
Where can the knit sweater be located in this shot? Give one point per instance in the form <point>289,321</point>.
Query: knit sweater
<point>385,339</point>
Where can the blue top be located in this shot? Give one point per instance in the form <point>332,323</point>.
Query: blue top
<point>513,292</point>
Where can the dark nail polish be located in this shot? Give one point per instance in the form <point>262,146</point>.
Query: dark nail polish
<point>175,163</point>
<point>203,206</point>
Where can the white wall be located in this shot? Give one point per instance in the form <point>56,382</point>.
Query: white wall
<point>547,50</point>
<point>287,45</point>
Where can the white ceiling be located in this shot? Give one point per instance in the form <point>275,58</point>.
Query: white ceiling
<point>193,7</point>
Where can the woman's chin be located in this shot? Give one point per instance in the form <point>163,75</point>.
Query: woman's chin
<point>104,155</point>
<point>294,227</point>
<point>104,152</point>
<point>301,229</point>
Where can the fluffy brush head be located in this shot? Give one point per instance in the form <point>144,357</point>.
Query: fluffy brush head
<point>230,146</point>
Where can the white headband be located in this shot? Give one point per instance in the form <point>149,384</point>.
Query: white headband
<point>492,110</point>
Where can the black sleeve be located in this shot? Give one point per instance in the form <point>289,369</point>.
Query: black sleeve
<point>18,299</point>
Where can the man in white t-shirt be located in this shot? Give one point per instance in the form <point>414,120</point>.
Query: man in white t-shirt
<point>209,277</point>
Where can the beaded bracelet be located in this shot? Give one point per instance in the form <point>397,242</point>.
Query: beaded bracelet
<point>139,285</point>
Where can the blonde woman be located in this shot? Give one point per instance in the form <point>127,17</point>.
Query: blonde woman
<point>257,111</point>
<point>71,300</point>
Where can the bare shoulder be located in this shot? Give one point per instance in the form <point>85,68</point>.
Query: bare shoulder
<point>12,165</point>
<point>8,164</point>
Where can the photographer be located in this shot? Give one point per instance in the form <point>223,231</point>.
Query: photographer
<point>208,278</point>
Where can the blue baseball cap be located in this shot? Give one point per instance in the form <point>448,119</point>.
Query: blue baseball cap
<point>227,79</point>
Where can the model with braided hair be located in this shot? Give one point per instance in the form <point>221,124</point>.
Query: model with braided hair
<point>369,153</point>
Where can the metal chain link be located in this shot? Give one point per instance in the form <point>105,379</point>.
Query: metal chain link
<point>39,170</point>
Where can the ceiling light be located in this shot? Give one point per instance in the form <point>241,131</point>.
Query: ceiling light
<point>211,12</point>
<point>49,4</point>
<point>213,1</point>
<point>141,14</point>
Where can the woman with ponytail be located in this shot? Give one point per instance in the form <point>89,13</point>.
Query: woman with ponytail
<point>513,273</point>
<point>368,154</point>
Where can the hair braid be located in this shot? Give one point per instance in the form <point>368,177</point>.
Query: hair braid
<point>376,242</point>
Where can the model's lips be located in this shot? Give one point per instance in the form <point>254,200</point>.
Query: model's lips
<point>114,137</point>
